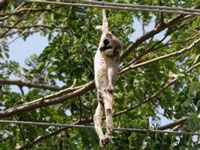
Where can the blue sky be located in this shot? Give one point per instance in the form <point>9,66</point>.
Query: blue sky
<point>20,50</point>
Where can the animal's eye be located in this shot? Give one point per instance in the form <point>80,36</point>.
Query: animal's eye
<point>106,42</point>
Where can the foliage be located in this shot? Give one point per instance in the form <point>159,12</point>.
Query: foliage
<point>73,41</point>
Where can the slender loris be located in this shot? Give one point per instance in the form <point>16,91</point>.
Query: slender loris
<point>106,70</point>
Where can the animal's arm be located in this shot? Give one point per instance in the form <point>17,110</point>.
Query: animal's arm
<point>105,22</point>
<point>112,75</point>
<point>111,79</point>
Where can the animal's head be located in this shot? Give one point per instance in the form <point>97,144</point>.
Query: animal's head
<point>109,43</point>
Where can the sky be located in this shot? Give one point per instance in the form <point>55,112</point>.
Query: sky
<point>20,50</point>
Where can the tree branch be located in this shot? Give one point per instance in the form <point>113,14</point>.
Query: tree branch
<point>173,124</point>
<point>177,122</point>
<point>155,47</point>
<point>23,10</point>
<point>21,83</point>
<point>150,49</point>
<point>161,57</point>
<point>33,26</point>
<point>48,100</point>
<point>17,22</point>
<point>153,32</point>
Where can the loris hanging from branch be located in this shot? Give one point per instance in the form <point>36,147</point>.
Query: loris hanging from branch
<point>106,70</point>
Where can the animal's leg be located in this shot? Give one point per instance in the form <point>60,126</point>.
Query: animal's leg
<point>109,123</point>
<point>108,112</point>
<point>98,120</point>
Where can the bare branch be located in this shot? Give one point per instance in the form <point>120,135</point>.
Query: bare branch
<point>21,83</point>
<point>149,34</point>
<point>15,32</point>
<point>21,90</point>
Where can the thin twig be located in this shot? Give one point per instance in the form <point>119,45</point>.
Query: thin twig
<point>17,22</point>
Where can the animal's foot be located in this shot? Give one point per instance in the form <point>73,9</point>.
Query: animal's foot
<point>104,141</point>
<point>108,136</point>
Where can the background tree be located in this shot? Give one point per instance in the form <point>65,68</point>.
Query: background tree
<point>159,74</point>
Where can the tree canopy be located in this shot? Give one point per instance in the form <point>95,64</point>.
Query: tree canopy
<point>159,76</point>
